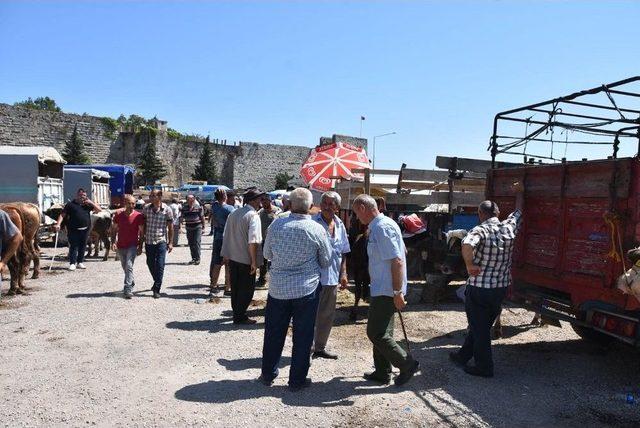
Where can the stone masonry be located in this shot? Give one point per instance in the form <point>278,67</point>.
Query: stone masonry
<point>239,166</point>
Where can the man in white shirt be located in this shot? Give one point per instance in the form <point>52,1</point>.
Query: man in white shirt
<point>175,209</point>
<point>242,253</point>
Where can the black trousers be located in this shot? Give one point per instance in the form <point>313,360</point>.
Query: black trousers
<point>482,306</point>
<point>242,288</point>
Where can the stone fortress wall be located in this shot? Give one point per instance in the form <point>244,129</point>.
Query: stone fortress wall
<point>238,165</point>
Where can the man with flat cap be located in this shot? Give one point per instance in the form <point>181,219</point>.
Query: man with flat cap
<point>242,252</point>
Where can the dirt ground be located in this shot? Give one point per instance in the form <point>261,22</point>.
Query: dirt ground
<point>75,353</point>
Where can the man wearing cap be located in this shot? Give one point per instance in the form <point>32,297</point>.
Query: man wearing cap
<point>241,249</point>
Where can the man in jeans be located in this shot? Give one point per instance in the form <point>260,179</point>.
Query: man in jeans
<point>77,216</point>
<point>298,248</point>
<point>194,223</point>
<point>220,211</point>
<point>158,237</point>
<point>242,254</point>
<point>332,275</point>
<point>127,229</point>
<point>388,271</point>
<point>487,251</point>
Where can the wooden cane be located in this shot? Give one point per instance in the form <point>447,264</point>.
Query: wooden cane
<point>404,331</point>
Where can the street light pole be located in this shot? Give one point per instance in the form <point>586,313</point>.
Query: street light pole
<point>374,146</point>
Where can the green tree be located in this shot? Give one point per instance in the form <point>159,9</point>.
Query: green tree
<point>206,168</point>
<point>150,166</point>
<point>40,103</point>
<point>74,152</point>
<point>282,178</point>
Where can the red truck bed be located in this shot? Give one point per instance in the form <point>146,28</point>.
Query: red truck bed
<point>580,218</point>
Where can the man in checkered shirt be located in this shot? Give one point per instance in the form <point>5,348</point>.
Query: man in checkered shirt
<point>298,248</point>
<point>487,251</point>
<point>158,237</point>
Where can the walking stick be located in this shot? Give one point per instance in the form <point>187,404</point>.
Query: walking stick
<point>55,247</point>
<point>404,331</point>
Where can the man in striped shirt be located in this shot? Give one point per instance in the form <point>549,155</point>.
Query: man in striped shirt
<point>487,251</point>
<point>194,223</point>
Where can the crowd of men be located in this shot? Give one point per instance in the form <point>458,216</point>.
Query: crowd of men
<point>306,257</point>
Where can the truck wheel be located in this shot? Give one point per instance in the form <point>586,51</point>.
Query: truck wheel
<point>592,335</point>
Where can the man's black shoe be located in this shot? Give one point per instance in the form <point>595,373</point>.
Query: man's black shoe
<point>305,384</point>
<point>128,294</point>
<point>324,354</point>
<point>196,262</point>
<point>407,374</point>
<point>192,262</point>
<point>455,358</point>
<point>264,381</point>
<point>156,295</point>
<point>375,377</point>
<point>474,371</point>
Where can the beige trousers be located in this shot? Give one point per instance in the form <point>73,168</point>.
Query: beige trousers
<point>325,316</point>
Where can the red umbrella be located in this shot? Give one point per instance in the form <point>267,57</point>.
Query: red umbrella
<point>332,160</point>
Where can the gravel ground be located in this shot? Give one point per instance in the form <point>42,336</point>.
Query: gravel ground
<point>74,352</point>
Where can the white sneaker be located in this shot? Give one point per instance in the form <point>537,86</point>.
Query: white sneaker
<point>72,267</point>
<point>81,266</point>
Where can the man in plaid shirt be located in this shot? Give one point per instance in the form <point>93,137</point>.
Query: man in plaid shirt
<point>487,251</point>
<point>158,237</point>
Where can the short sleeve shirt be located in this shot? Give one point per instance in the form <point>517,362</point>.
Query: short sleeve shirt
<point>128,226</point>
<point>385,244</point>
<point>78,216</point>
<point>156,223</point>
<point>330,275</point>
<point>7,229</point>
<point>493,244</point>
<point>220,212</point>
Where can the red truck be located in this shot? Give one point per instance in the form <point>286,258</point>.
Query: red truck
<point>580,218</point>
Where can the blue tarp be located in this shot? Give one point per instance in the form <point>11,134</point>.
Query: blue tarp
<point>464,221</point>
<point>121,181</point>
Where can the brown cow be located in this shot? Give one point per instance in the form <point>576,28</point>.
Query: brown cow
<point>100,233</point>
<point>17,262</point>
<point>31,218</point>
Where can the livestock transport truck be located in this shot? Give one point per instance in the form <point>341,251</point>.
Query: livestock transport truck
<point>120,181</point>
<point>31,174</point>
<point>93,181</point>
<point>580,217</point>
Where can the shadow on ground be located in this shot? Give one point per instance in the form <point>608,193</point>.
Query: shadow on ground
<point>539,377</point>
<point>336,392</point>
<point>212,326</point>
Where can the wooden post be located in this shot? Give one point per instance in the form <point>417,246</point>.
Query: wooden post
<point>367,181</point>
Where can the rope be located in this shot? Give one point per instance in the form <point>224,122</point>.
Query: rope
<point>611,219</point>
<point>606,91</point>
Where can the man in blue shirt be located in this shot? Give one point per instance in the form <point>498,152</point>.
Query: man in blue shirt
<point>220,210</point>
<point>333,274</point>
<point>298,248</point>
<point>388,272</point>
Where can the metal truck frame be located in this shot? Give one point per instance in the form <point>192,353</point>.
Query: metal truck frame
<point>580,217</point>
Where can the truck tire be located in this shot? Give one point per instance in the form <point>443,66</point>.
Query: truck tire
<point>592,335</point>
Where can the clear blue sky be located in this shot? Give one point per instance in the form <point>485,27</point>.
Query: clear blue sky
<point>290,72</point>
